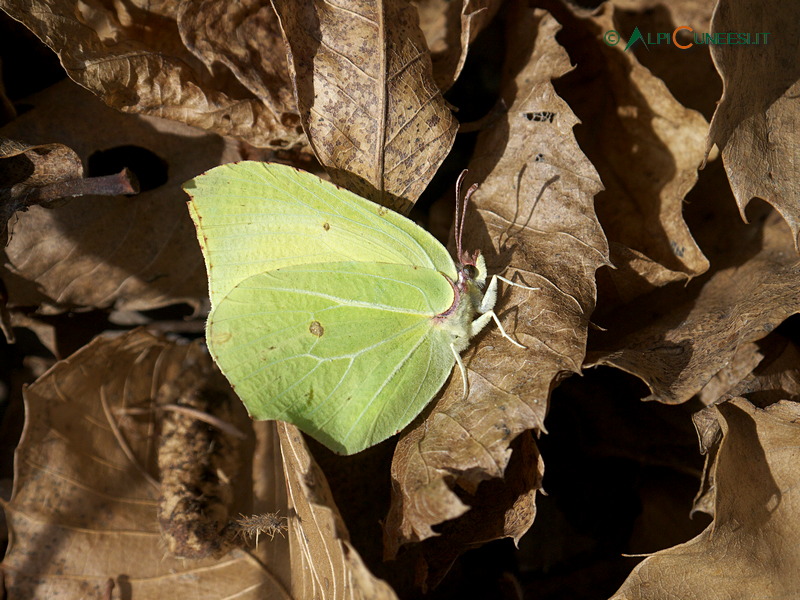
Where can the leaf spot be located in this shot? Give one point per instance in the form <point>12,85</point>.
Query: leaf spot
<point>316,328</point>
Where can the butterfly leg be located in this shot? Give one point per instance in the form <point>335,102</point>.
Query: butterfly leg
<point>461,368</point>
<point>490,295</point>
<point>487,306</point>
<point>485,317</point>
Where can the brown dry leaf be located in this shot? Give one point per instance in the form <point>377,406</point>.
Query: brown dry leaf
<point>24,167</point>
<point>449,29</point>
<point>750,550</point>
<point>745,359</point>
<point>133,253</point>
<point>682,70</point>
<point>364,86</point>
<point>647,148</point>
<point>500,508</point>
<point>679,351</point>
<point>84,508</point>
<point>537,227</point>
<point>757,124</point>
<point>324,563</point>
<point>131,55</point>
<point>776,378</point>
<point>245,37</point>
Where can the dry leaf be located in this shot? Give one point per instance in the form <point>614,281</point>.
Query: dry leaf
<point>245,37</point>
<point>756,125</point>
<point>198,460</point>
<point>132,253</point>
<point>745,359</point>
<point>500,508</point>
<point>132,56</point>
<point>776,378</point>
<point>677,352</point>
<point>324,563</point>
<point>647,148</point>
<point>364,85</point>
<point>25,167</point>
<point>84,509</point>
<point>681,70</point>
<point>750,550</point>
<point>449,29</point>
<point>535,203</point>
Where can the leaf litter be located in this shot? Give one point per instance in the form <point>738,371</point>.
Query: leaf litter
<point>591,190</point>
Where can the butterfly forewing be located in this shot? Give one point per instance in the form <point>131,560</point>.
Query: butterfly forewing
<point>254,217</point>
<point>347,351</point>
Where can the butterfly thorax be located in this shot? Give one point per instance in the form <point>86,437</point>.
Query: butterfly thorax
<point>467,298</point>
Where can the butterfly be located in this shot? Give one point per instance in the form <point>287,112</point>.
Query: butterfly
<point>329,311</point>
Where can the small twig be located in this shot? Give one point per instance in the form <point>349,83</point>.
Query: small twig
<point>123,183</point>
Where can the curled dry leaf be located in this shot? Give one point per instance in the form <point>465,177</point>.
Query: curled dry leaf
<point>364,85</point>
<point>677,352</point>
<point>198,459</point>
<point>324,563</point>
<point>26,167</point>
<point>757,124</point>
<point>84,507</point>
<point>500,508</point>
<point>132,253</point>
<point>776,378</point>
<point>538,228</point>
<point>647,148</point>
<point>132,57</point>
<point>245,37</point>
<point>750,550</point>
<point>449,29</point>
<point>689,73</point>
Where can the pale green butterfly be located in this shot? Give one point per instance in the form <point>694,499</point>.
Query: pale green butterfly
<point>329,311</point>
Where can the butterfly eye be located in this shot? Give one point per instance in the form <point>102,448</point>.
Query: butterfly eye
<point>471,271</point>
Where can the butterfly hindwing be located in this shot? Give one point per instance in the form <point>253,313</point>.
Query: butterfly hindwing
<point>346,351</point>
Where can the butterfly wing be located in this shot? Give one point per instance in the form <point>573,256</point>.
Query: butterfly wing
<point>252,217</point>
<point>346,351</point>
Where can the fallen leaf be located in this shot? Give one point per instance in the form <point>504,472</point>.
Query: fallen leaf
<point>750,550</point>
<point>364,85</point>
<point>133,58</point>
<point>689,72</point>
<point>756,125</point>
<point>647,148</point>
<point>449,29</point>
<point>677,352</point>
<point>536,219</point>
<point>774,379</point>
<point>500,508</point>
<point>324,562</point>
<point>132,253</point>
<point>245,37</point>
<point>84,506</point>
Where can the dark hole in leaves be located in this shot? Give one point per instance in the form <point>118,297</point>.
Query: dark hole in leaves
<point>150,169</point>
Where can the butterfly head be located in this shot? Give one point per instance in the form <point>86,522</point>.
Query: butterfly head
<point>472,267</point>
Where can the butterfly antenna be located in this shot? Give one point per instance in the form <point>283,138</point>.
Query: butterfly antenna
<point>462,213</point>
<point>459,226</point>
